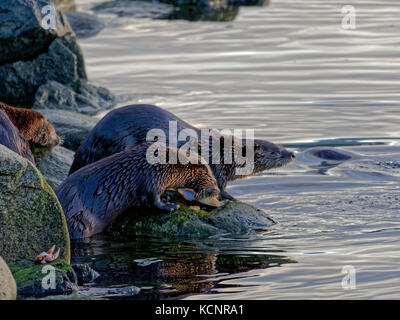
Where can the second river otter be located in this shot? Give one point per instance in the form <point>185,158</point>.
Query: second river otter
<point>11,138</point>
<point>94,196</point>
<point>35,128</point>
<point>127,126</point>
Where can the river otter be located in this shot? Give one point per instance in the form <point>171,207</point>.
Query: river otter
<point>127,126</point>
<point>33,126</point>
<point>11,138</point>
<point>94,196</point>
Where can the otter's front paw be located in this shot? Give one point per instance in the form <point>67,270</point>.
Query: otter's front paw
<point>167,206</point>
<point>227,196</point>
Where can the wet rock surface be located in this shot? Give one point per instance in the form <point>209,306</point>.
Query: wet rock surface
<point>230,218</point>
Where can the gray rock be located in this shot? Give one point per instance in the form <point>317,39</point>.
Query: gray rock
<point>63,62</point>
<point>54,165</point>
<point>21,34</point>
<point>72,127</point>
<point>44,67</point>
<point>136,9</point>
<point>88,99</point>
<point>84,24</point>
<point>31,218</point>
<point>8,288</point>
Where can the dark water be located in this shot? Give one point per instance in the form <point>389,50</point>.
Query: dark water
<point>291,72</point>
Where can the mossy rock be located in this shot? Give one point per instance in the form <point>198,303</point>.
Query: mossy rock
<point>231,218</point>
<point>30,278</point>
<point>8,288</point>
<point>31,218</point>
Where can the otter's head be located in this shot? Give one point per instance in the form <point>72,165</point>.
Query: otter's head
<point>268,156</point>
<point>44,134</point>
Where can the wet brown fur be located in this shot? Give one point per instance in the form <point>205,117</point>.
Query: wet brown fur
<point>127,126</point>
<point>94,196</point>
<point>33,125</point>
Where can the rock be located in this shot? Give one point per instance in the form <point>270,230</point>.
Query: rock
<point>44,67</point>
<point>249,2</point>
<point>206,11</point>
<point>8,288</point>
<point>231,218</point>
<point>72,127</point>
<point>84,273</point>
<point>136,9</point>
<point>87,99</point>
<point>54,165</point>
<point>60,63</point>
<point>31,218</point>
<point>40,280</point>
<point>65,5</point>
<point>21,34</point>
<point>84,24</point>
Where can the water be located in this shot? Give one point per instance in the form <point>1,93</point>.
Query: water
<point>291,72</point>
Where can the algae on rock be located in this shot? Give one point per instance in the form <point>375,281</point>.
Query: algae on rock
<point>30,278</point>
<point>8,288</point>
<point>231,218</point>
<point>31,218</point>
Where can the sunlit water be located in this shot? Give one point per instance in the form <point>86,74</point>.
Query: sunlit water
<point>291,72</point>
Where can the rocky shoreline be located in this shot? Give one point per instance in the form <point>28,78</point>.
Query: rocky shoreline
<point>44,69</point>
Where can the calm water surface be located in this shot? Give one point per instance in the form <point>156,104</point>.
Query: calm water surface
<point>291,72</point>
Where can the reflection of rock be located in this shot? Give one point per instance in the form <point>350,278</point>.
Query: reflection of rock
<point>29,278</point>
<point>232,218</point>
<point>8,288</point>
<point>55,164</point>
<point>85,25</point>
<point>232,263</point>
<point>72,127</point>
<point>137,9</point>
<point>31,218</point>
<point>180,272</point>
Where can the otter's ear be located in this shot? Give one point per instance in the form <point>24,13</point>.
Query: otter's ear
<point>256,147</point>
<point>188,194</point>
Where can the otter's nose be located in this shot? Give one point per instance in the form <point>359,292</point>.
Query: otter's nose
<point>288,154</point>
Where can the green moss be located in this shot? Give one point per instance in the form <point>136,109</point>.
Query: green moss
<point>31,217</point>
<point>25,271</point>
